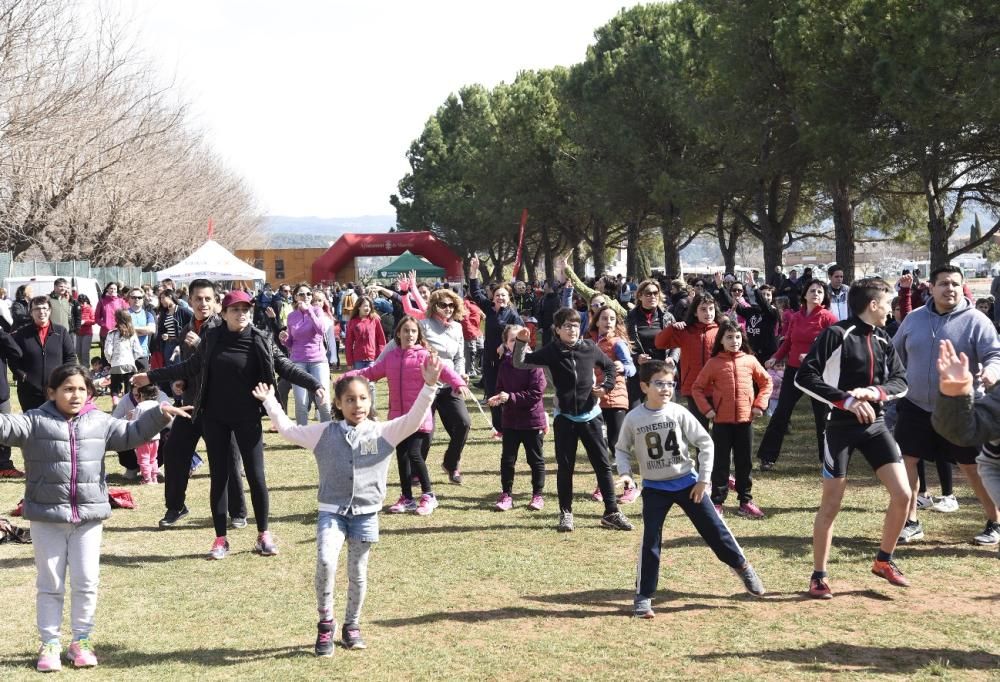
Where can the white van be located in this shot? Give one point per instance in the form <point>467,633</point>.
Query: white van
<point>42,285</point>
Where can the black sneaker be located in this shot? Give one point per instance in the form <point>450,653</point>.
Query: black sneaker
<point>616,521</point>
<point>238,522</point>
<point>172,517</point>
<point>324,638</point>
<point>350,635</point>
<point>453,476</point>
<point>766,466</point>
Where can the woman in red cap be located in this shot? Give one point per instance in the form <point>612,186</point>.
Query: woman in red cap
<point>231,360</point>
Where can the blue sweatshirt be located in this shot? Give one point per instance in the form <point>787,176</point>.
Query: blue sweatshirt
<point>916,344</point>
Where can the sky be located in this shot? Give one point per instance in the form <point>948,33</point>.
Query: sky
<point>316,103</point>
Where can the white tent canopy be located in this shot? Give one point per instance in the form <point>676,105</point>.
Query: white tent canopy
<point>214,262</point>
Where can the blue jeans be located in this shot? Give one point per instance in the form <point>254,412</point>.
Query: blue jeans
<point>321,372</point>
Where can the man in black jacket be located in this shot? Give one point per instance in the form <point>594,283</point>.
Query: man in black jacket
<point>9,353</point>
<point>44,346</point>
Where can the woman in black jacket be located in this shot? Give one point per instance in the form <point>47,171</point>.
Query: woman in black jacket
<point>231,360</point>
<point>643,323</point>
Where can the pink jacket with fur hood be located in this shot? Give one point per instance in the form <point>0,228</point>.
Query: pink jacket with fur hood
<point>403,371</point>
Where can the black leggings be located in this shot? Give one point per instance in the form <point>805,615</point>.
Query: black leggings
<point>218,442</point>
<point>735,439</point>
<point>531,439</point>
<point>774,436</point>
<point>613,420</point>
<point>457,423</point>
<point>944,472</point>
<point>410,459</point>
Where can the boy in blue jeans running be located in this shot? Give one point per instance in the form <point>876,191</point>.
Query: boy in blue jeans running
<point>658,433</point>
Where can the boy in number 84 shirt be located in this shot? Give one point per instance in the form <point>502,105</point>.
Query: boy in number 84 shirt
<point>658,433</point>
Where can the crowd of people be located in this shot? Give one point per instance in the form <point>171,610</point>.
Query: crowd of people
<point>886,369</point>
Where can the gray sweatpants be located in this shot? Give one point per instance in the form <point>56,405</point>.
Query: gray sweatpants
<point>59,546</point>
<point>989,472</point>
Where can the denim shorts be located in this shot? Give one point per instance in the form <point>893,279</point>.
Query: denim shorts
<point>363,527</point>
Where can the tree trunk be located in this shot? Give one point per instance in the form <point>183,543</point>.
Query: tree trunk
<point>598,247</point>
<point>577,261</point>
<point>550,258</point>
<point>670,230</point>
<point>632,252</point>
<point>843,226</point>
<point>728,240</point>
<point>774,245</point>
<point>937,227</point>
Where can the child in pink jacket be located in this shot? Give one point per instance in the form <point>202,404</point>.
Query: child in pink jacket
<point>401,366</point>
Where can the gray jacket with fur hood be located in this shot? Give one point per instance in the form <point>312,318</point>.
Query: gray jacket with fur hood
<point>64,458</point>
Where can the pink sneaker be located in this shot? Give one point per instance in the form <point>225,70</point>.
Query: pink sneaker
<point>428,503</point>
<point>504,503</point>
<point>718,510</point>
<point>49,657</point>
<point>629,495</point>
<point>536,503</point>
<point>597,496</point>
<point>403,504</point>
<point>498,435</point>
<point>81,654</point>
<point>732,482</point>
<point>749,510</point>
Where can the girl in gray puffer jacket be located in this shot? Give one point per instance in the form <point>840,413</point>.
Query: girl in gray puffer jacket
<point>66,499</point>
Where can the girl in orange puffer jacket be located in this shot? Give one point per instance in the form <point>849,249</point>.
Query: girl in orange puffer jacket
<point>732,390</point>
<point>608,331</point>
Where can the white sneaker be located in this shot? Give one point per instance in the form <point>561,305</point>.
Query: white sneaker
<point>946,504</point>
<point>925,501</point>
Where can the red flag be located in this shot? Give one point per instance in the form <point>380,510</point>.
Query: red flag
<point>211,227</point>
<point>520,243</point>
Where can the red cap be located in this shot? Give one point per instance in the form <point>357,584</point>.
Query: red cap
<point>236,297</point>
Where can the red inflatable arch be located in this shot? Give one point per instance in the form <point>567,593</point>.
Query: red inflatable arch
<point>328,266</point>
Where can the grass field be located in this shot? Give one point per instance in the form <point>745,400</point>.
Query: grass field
<point>470,593</point>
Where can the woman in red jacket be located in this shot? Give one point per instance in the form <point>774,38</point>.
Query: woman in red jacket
<point>695,337</point>
<point>811,319</point>
<point>732,390</point>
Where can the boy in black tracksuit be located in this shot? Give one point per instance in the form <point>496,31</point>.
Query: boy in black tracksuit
<point>571,362</point>
<point>853,367</point>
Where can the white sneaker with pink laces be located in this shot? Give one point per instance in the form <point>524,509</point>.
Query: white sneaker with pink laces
<point>428,503</point>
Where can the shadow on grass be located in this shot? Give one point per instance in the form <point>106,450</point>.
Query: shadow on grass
<point>434,530</point>
<point>17,562</point>
<point>139,560</point>
<point>834,657</point>
<point>797,546</point>
<point>612,604</point>
<point>111,656</point>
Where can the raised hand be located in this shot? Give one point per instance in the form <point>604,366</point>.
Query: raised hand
<point>905,282</point>
<point>524,336</point>
<point>474,267</point>
<point>953,371</point>
<point>432,370</point>
<point>140,380</point>
<point>263,391</point>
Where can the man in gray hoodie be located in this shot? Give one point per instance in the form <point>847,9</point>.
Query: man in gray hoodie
<point>947,316</point>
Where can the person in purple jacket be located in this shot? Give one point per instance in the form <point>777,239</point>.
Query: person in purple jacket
<point>519,395</point>
<point>304,339</point>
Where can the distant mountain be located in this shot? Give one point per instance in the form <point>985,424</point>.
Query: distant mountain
<point>330,228</point>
